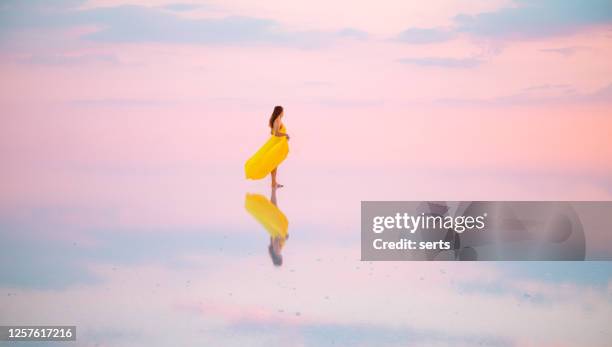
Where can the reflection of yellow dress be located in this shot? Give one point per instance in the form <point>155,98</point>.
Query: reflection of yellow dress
<point>268,157</point>
<point>267,214</point>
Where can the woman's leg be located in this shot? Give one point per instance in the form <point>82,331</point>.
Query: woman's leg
<point>273,175</point>
<point>274,183</point>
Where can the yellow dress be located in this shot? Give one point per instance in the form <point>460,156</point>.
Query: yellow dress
<point>268,215</point>
<point>268,157</point>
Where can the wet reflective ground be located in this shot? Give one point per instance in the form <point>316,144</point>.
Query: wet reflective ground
<point>181,258</point>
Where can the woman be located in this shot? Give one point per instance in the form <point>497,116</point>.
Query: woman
<point>267,159</point>
<point>278,129</point>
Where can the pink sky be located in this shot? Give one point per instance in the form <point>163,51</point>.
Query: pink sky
<point>522,108</point>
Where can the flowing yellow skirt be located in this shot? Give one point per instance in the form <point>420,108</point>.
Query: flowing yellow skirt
<point>267,158</point>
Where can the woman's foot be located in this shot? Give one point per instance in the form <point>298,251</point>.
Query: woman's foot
<point>277,185</point>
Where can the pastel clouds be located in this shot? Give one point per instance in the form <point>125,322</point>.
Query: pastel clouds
<point>533,19</point>
<point>460,63</point>
<point>523,19</point>
<point>422,303</point>
<point>143,24</point>
<point>422,36</point>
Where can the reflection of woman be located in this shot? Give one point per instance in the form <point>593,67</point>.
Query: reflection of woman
<point>277,242</point>
<point>272,219</point>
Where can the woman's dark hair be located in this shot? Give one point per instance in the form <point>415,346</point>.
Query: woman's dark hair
<point>277,112</point>
<point>277,259</point>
